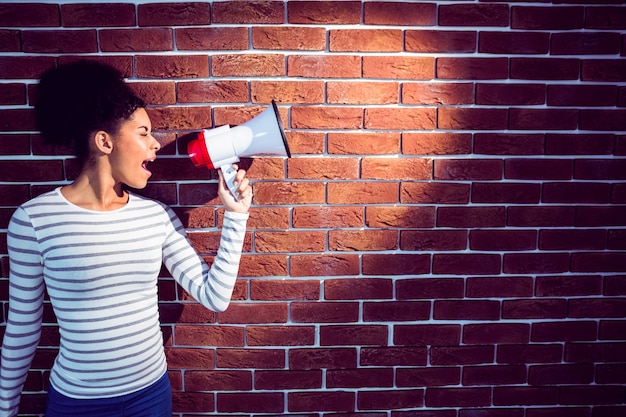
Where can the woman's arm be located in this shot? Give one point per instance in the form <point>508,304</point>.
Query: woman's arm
<point>26,294</point>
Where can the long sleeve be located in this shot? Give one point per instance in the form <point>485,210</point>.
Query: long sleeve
<point>213,286</point>
<point>26,294</point>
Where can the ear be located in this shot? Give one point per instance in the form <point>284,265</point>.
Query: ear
<point>102,141</point>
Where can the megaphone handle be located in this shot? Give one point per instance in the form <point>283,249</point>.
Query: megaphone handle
<point>229,174</point>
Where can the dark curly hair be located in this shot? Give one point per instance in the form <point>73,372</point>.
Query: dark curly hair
<point>76,100</point>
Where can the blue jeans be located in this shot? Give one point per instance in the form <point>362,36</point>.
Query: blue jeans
<point>153,401</point>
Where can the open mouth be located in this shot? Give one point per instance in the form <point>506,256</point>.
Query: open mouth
<point>144,165</point>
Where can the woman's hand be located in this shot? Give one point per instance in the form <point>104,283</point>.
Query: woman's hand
<point>244,192</point>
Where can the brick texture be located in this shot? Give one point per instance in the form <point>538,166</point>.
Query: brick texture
<point>449,236</point>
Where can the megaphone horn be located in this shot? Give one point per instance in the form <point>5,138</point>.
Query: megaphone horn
<point>223,146</point>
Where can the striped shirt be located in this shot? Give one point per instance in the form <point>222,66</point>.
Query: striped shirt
<point>100,270</point>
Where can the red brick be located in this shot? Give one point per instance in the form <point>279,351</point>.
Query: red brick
<point>222,38</point>
<point>446,41</point>
<point>401,118</point>
<point>545,216</point>
<point>605,17</point>
<point>590,395</point>
<point>174,14</point>
<point>280,335</point>
<point>390,399</point>
<point>494,375</point>
<point>399,264</point>
<point>29,14</point>
<point>362,192</point>
<point>399,14</point>
<point>545,169</point>
<point>466,310</point>
<point>59,41</point>
<point>509,144</point>
<point>564,331</point>
<point>514,42</point>
<point>507,396</point>
<point>474,15</point>
<point>324,66</point>
<point>250,358</point>
<point>545,68</point>
<point>430,376</point>
<point>328,217</point>
<point>499,333</point>
<point>579,144</point>
<point>604,70</point>
<point>395,311</point>
<point>468,169</point>
<point>472,68</point>
<point>392,67</point>
<point>510,192</point>
<point>459,118</point>
<point>578,239</point>
<point>469,217</point>
<point>288,380</point>
<point>289,193</point>
<point>31,171</point>
<point>466,264</point>
<point>342,92</point>
<point>14,144</point>
<point>543,119</point>
<point>537,353</point>
<point>248,12</point>
<point>136,40</point>
<point>546,18</point>
<point>362,240</point>
<point>427,334</point>
<point>269,265</point>
<point>318,358</point>
<point>299,92</point>
<point>585,43</point>
<point>95,15</point>
<point>182,66</point>
<point>503,240</point>
<point>510,94</point>
<point>225,91</point>
<point>396,168</point>
<point>534,309</point>
<point>10,40</point>
<point>433,240</point>
<point>458,397</point>
<point>434,93</point>
<point>365,40</point>
<point>289,241</point>
<point>285,290</point>
<point>270,402</point>
<point>324,12</point>
<point>327,168</point>
<point>435,192</point>
<point>355,334</point>
<point>324,312</point>
<point>323,265</point>
<point>218,380</point>
<point>288,38</point>
<point>400,217</point>
<point>249,65</point>
<point>535,263</point>
<point>326,117</point>
<point>363,143</point>
<point>321,401</point>
<point>436,143</point>
<point>461,355</point>
<point>428,288</point>
<point>191,402</point>
<point>359,378</point>
<point>194,335</point>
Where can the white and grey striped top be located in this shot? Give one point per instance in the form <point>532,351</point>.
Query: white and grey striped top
<point>100,269</point>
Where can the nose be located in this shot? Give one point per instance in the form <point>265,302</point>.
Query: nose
<point>156,145</point>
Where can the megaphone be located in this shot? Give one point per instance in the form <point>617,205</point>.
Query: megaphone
<point>223,146</point>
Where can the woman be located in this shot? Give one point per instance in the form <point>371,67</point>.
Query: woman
<point>98,248</point>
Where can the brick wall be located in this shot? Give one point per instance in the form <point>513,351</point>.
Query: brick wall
<point>449,237</point>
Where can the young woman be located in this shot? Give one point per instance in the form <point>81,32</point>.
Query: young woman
<point>97,248</point>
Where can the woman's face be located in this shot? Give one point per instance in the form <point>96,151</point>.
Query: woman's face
<point>133,148</point>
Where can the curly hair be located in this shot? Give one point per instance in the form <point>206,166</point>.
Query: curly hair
<point>78,99</point>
